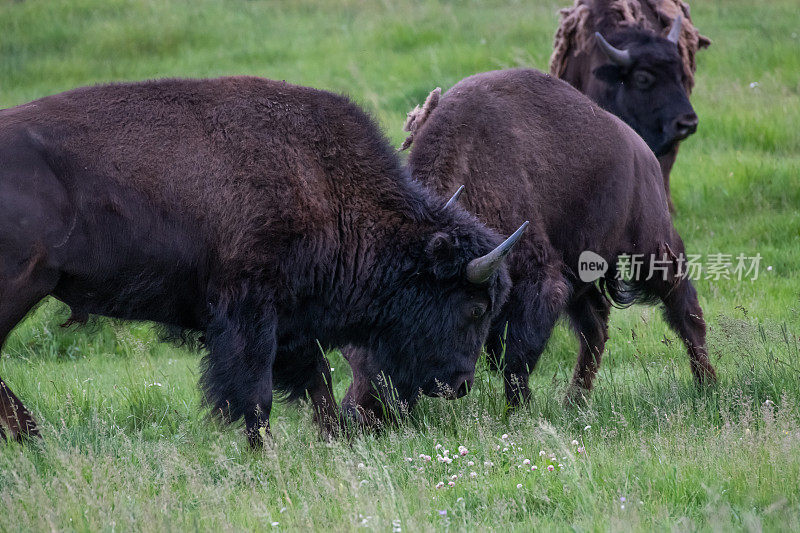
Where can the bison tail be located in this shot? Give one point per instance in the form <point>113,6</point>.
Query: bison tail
<point>417,117</point>
<point>660,273</point>
<point>624,293</point>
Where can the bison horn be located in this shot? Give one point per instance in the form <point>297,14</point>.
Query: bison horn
<point>453,199</point>
<point>480,269</point>
<point>675,30</point>
<point>617,56</point>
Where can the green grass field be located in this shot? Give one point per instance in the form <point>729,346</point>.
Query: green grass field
<point>127,445</point>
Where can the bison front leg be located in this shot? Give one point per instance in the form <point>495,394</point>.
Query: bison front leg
<point>306,372</point>
<point>238,371</point>
<point>520,335</point>
<point>326,412</point>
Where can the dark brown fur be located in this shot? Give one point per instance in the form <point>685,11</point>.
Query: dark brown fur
<point>271,218</point>
<point>530,147</point>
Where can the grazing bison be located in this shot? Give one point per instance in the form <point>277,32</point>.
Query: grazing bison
<point>636,58</point>
<point>274,219</point>
<point>529,146</point>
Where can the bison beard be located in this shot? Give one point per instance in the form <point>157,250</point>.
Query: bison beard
<point>537,149</point>
<point>273,219</point>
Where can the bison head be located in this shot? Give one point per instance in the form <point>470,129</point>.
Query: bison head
<point>642,84</point>
<point>437,311</point>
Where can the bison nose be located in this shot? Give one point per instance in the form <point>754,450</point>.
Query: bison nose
<point>685,125</point>
<point>465,386</point>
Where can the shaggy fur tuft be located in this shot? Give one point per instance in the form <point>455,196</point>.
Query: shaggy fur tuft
<point>417,116</point>
<point>579,22</point>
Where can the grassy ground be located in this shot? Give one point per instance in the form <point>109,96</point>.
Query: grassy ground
<point>127,447</point>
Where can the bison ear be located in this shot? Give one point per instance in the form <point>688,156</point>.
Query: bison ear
<point>611,74</point>
<point>440,247</point>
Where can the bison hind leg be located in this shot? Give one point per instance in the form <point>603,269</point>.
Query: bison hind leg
<point>588,312</point>
<point>237,372</point>
<point>20,290</point>
<point>682,309</point>
<point>684,315</point>
<point>14,416</point>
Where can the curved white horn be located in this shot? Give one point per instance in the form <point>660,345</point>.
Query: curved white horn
<point>617,56</point>
<point>480,269</point>
<point>675,30</point>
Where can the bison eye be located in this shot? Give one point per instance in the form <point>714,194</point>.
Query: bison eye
<point>478,311</point>
<point>643,79</point>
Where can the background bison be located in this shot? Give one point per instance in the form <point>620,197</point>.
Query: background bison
<point>636,58</point>
<point>532,147</point>
<point>270,217</point>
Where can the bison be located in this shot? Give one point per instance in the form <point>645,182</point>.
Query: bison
<point>529,146</point>
<point>636,58</point>
<point>274,219</point>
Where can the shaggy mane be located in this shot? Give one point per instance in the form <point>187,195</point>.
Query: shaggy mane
<point>575,34</point>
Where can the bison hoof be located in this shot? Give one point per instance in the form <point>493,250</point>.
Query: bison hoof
<point>28,431</point>
<point>361,418</point>
<point>706,376</point>
<point>331,426</point>
<point>258,437</point>
<point>576,397</point>
<point>517,397</point>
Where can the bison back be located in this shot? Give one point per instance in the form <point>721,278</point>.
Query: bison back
<point>529,146</point>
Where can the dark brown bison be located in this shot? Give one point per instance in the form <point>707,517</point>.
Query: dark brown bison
<point>529,146</point>
<point>274,219</point>
<point>636,58</point>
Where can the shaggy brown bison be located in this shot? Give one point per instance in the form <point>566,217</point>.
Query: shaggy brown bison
<point>636,58</point>
<point>273,219</point>
<point>529,146</point>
